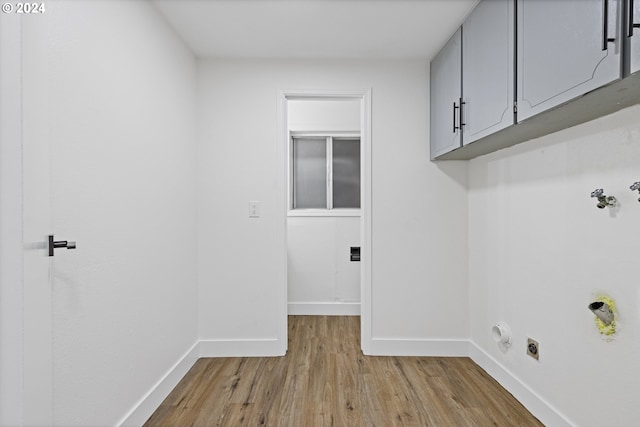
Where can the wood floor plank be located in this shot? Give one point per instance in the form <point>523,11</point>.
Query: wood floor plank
<point>324,380</point>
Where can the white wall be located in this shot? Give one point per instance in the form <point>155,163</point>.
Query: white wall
<point>323,115</point>
<point>118,111</point>
<point>11,343</point>
<point>419,212</point>
<point>321,278</point>
<point>540,251</point>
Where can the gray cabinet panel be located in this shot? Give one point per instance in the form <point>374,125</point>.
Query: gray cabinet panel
<point>634,34</point>
<point>488,69</point>
<point>445,92</point>
<point>560,55</point>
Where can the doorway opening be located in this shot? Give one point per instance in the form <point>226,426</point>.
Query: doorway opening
<point>324,154</point>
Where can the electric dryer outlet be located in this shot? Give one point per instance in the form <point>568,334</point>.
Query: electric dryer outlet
<point>533,348</point>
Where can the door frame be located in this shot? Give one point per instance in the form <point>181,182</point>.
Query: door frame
<point>282,194</point>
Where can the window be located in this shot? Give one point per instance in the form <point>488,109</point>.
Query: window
<point>325,172</point>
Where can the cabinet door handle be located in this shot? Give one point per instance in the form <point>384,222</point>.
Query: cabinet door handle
<point>455,128</point>
<point>630,24</point>
<point>605,25</point>
<point>462,123</point>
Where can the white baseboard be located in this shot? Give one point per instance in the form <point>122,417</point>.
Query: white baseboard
<point>150,402</point>
<point>324,308</point>
<point>242,348</point>
<point>541,409</point>
<point>204,348</point>
<point>413,347</point>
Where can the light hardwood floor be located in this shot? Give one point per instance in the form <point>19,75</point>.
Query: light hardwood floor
<point>324,380</point>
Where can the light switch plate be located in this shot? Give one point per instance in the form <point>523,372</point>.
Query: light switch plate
<point>254,209</point>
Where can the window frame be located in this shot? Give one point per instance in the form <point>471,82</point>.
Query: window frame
<point>329,211</point>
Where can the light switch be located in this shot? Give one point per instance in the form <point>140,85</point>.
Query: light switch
<point>254,209</point>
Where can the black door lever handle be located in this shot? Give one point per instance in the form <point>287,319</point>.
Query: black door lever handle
<point>59,244</point>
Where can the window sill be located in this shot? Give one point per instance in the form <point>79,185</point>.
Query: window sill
<point>324,212</point>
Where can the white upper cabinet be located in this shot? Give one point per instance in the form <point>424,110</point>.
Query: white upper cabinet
<point>445,90</point>
<point>488,69</point>
<point>565,49</point>
<point>632,31</point>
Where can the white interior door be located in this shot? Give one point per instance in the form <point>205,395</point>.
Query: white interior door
<point>109,154</point>
<point>49,200</point>
<point>37,265</point>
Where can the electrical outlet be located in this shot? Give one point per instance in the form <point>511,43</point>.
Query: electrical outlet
<point>533,348</point>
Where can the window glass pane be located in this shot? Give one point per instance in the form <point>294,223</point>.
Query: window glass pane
<point>346,173</point>
<point>309,173</point>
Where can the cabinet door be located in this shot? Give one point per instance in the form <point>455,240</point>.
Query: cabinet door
<point>633,33</point>
<point>488,69</point>
<point>563,51</point>
<point>445,90</point>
